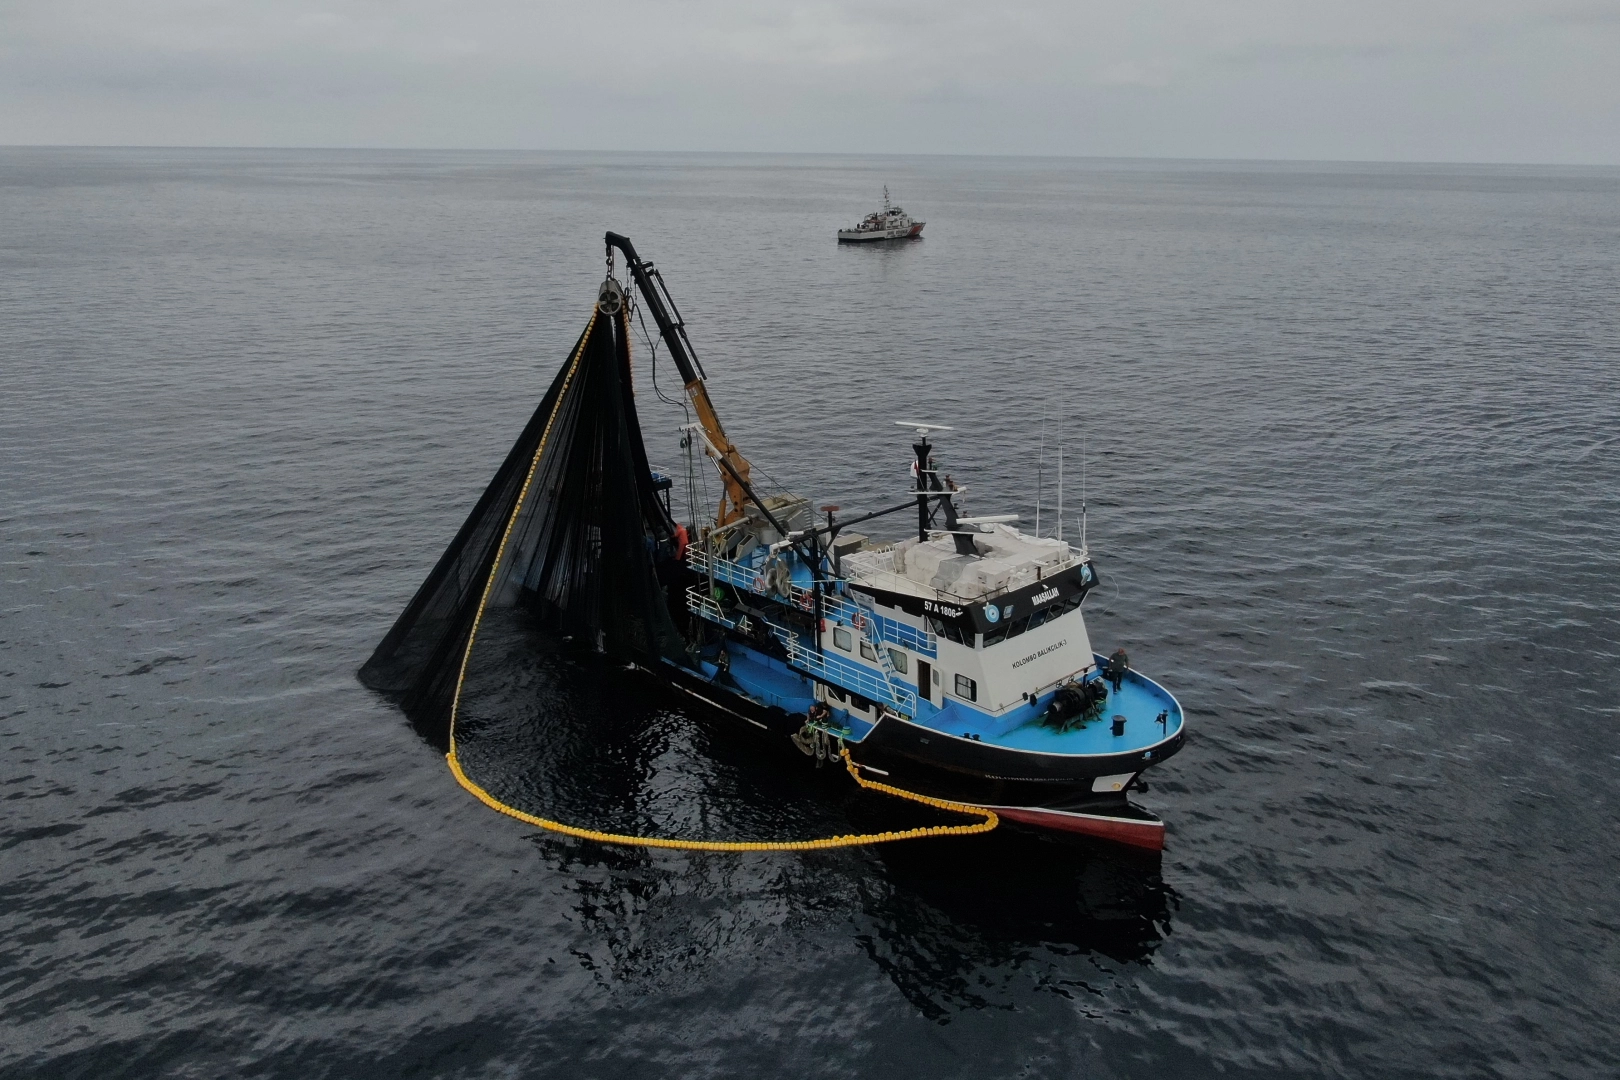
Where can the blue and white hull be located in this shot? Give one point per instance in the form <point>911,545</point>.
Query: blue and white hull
<point>950,700</point>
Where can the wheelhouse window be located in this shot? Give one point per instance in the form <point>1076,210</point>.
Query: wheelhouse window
<point>899,661</point>
<point>951,632</point>
<point>967,688</point>
<point>1015,627</point>
<point>843,639</point>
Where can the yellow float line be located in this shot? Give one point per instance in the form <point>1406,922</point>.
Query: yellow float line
<point>990,820</point>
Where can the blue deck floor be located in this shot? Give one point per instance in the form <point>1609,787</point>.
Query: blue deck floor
<point>770,681</point>
<point>1139,701</point>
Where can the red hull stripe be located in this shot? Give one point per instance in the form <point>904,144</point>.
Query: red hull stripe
<point>1143,834</point>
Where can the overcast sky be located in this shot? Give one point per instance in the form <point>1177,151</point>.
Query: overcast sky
<point>1425,80</point>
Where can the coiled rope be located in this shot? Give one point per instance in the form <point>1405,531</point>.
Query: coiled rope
<point>990,820</point>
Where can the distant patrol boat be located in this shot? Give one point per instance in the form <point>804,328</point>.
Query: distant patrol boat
<point>889,223</point>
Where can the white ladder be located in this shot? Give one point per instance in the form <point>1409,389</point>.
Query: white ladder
<point>873,638</point>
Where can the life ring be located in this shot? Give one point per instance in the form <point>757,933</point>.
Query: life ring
<point>759,585</point>
<point>859,622</point>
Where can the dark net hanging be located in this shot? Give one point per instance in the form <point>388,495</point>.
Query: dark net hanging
<point>588,540</point>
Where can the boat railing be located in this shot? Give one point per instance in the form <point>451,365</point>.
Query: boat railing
<point>873,635</point>
<point>834,605</point>
<point>868,566</point>
<point>875,558</point>
<point>889,630</point>
<point>735,574</point>
<point>847,674</point>
<point>699,601</point>
<point>883,685</point>
<point>829,667</point>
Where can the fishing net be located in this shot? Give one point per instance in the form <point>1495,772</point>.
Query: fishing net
<point>571,539</point>
<point>585,544</point>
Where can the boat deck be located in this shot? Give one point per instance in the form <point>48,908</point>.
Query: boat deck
<point>767,680</point>
<point>1140,700</point>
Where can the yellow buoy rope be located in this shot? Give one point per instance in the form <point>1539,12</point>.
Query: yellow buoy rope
<point>990,820</point>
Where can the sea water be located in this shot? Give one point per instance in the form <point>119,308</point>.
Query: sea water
<point>1350,439</point>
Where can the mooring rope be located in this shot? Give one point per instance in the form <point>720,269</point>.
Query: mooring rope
<point>990,820</point>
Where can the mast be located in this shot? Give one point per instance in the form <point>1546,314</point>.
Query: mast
<point>1040,473</point>
<point>1083,549</point>
<point>921,448</point>
<point>929,487</point>
<point>734,468</point>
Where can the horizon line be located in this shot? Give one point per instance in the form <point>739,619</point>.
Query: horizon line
<point>333,148</point>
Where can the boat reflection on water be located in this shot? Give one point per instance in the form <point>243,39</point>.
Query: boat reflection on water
<point>954,924</point>
<point>957,926</point>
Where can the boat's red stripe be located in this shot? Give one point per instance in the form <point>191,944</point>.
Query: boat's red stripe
<point>1143,834</point>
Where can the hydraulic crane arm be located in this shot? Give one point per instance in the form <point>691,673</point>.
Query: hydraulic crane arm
<point>733,466</point>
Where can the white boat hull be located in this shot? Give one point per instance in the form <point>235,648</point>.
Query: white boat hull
<point>859,236</point>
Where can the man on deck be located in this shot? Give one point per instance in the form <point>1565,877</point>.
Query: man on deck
<point>1118,665</point>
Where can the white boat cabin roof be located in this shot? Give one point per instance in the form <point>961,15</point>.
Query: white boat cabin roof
<point>1004,560</point>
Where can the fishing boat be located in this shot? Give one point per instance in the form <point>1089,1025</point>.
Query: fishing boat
<point>889,223</point>
<point>952,661</point>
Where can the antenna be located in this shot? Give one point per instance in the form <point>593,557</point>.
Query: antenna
<point>1063,446</point>
<point>922,430</point>
<point>1060,491</point>
<point>1083,550</point>
<point>1040,472</point>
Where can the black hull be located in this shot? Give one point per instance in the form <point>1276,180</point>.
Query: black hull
<point>1042,790</point>
<point>984,773</point>
<point>729,701</point>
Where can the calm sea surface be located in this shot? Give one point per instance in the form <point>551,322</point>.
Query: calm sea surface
<point>1352,444</point>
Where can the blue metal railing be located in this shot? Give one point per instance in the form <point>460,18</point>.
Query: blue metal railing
<point>828,666</point>
<point>910,637</point>
<point>883,685</point>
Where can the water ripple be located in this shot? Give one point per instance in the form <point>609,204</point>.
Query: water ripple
<point>1350,466</point>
